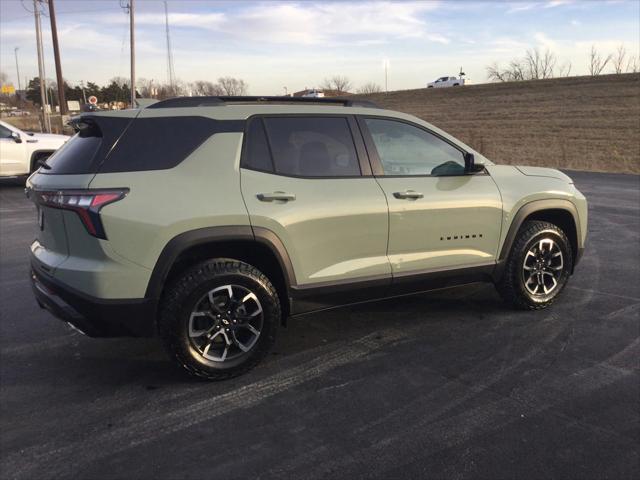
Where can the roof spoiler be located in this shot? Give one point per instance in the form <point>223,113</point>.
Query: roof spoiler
<point>145,102</point>
<point>179,102</point>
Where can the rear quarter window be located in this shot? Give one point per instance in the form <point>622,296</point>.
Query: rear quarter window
<point>164,142</point>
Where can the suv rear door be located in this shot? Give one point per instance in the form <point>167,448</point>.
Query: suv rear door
<point>441,217</point>
<point>306,178</point>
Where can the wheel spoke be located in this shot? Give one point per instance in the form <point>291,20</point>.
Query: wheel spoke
<point>555,282</point>
<point>198,333</point>
<point>226,323</point>
<point>251,328</point>
<point>542,261</point>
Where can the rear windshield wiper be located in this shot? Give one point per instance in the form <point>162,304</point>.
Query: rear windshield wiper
<point>43,163</point>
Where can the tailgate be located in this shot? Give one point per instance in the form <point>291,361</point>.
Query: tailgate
<point>51,246</point>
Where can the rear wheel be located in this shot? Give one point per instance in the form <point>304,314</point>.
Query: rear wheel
<point>219,319</point>
<point>538,267</point>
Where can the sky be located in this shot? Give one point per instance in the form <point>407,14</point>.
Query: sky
<point>273,44</point>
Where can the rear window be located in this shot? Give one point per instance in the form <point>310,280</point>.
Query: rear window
<point>302,146</point>
<point>75,156</point>
<point>88,148</point>
<point>164,142</point>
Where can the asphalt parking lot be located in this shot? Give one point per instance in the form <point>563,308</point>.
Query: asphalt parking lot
<point>450,384</point>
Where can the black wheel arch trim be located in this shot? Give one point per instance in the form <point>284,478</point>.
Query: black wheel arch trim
<point>201,236</point>
<point>533,207</point>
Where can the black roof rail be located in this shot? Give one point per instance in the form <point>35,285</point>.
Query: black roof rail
<point>178,102</point>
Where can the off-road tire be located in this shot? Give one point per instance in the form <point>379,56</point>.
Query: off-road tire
<point>511,285</point>
<point>183,294</point>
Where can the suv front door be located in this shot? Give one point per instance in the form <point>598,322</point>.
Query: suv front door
<point>306,179</point>
<point>12,154</point>
<point>441,217</point>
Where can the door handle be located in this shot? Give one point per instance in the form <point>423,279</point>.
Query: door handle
<point>408,195</point>
<point>270,197</point>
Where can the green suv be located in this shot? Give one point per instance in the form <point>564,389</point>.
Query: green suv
<point>211,220</point>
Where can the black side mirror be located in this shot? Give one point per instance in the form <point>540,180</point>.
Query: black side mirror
<point>471,165</point>
<point>16,137</point>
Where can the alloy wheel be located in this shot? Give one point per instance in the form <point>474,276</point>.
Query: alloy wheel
<point>226,323</point>
<point>543,267</point>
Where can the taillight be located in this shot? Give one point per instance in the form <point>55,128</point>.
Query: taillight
<point>86,203</point>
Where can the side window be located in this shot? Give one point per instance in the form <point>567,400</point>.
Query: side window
<point>163,142</point>
<point>407,150</point>
<point>257,155</point>
<point>5,132</point>
<point>312,146</point>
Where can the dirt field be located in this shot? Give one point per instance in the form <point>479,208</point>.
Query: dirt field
<point>31,123</point>
<point>579,123</point>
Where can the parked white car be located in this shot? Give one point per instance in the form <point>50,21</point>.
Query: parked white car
<point>20,151</point>
<point>443,82</point>
<point>314,94</point>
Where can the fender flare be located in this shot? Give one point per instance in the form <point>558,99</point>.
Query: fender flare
<point>182,242</point>
<point>525,211</point>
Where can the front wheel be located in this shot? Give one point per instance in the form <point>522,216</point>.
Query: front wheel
<point>538,266</point>
<point>219,318</point>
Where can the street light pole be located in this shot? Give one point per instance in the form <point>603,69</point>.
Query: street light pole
<point>15,51</point>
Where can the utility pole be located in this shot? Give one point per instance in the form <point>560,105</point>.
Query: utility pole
<point>56,54</point>
<point>84,95</point>
<point>386,83</point>
<point>41,73</point>
<point>15,51</point>
<point>133,54</point>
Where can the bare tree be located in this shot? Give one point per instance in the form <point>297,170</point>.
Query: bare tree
<point>3,77</point>
<point>534,65</point>
<point>596,62</point>
<point>632,64</point>
<point>539,65</point>
<point>370,87</point>
<point>201,88</point>
<point>145,88</point>
<point>232,86</point>
<point>618,59</point>
<point>337,82</point>
<point>565,69</point>
<point>495,73</point>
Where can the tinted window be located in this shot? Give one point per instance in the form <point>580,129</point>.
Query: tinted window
<point>257,156</point>
<point>158,143</point>
<point>312,146</point>
<point>77,155</point>
<point>407,150</point>
<point>88,148</point>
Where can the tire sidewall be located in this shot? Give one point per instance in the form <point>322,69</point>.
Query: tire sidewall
<point>178,326</point>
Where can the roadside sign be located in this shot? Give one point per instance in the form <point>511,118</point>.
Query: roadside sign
<point>93,100</point>
<point>73,105</point>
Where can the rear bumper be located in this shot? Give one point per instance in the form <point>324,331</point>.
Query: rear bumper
<point>93,316</point>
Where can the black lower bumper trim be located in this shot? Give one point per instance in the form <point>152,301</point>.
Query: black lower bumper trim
<point>92,316</point>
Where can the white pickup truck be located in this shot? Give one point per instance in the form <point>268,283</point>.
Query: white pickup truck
<point>443,82</point>
<point>20,151</point>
